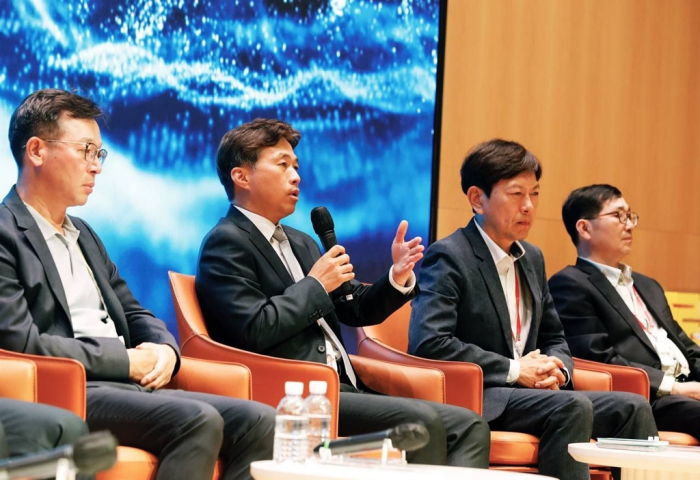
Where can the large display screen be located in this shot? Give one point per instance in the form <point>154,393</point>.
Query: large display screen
<point>356,77</point>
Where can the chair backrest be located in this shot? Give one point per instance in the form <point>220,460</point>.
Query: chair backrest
<point>190,321</point>
<point>394,330</point>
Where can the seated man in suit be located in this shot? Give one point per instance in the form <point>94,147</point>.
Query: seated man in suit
<point>613,315</point>
<point>32,427</point>
<point>266,288</point>
<point>61,296</point>
<point>484,299</point>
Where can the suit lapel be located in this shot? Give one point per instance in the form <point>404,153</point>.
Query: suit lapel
<point>493,284</point>
<point>26,222</point>
<point>597,278</point>
<point>262,244</point>
<point>535,299</point>
<point>644,289</point>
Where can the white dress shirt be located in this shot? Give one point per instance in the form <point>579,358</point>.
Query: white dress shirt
<point>88,313</point>
<point>673,362</point>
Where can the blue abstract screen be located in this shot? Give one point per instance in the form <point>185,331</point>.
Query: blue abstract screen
<point>356,77</point>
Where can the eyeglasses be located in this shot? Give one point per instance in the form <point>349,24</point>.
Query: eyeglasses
<point>622,216</point>
<point>92,153</point>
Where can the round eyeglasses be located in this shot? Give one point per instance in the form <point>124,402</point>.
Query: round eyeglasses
<point>622,216</point>
<point>93,154</point>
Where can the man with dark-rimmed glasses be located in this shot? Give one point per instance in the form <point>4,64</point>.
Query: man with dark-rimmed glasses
<point>613,315</point>
<point>61,296</point>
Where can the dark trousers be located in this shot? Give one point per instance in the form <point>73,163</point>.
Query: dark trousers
<point>559,418</point>
<point>458,437</point>
<point>677,413</point>
<point>33,427</point>
<point>188,431</point>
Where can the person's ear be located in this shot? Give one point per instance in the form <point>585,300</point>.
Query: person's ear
<point>239,176</point>
<point>584,229</point>
<point>476,196</point>
<point>34,152</point>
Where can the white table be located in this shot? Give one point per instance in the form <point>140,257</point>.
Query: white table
<point>271,470</point>
<point>676,463</point>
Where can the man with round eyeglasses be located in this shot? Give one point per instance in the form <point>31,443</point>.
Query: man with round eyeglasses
<point>613,315</point>
<point>61,296</point>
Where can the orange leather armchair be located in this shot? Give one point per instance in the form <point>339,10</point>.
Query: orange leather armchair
<point>270,373</point>
<point>464,387</point>
<point>634,380</point>
<point>61,382</point>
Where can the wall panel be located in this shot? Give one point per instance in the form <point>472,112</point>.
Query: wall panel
<point>600,91</point>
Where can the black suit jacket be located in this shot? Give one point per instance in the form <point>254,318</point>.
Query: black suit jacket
<point>34,315</point>
<point>462,314</point>
<point>600,327</point>
<point>250,301</point>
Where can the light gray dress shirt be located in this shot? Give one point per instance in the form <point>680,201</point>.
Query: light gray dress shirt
<point>88,313</point>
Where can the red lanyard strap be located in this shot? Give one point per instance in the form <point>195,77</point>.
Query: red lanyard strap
<point>518,327</point>
<point>639,302</point>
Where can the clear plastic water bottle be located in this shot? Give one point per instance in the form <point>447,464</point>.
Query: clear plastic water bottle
<point>318,408</point>
<point>291,426</point>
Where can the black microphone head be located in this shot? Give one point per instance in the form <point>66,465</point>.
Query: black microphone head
<point>409,436</point>
<point>95,452</point>
<point>321,220</point>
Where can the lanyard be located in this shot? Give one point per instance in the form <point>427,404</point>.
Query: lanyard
<point>638,300</point>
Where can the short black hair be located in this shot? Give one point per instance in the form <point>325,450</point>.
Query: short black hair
<point>490,162</point>
<point>241,146</point>
<point>586,202</point>
<point>38,115</point>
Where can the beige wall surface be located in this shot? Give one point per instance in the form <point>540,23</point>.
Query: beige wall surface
<point>602,91</point>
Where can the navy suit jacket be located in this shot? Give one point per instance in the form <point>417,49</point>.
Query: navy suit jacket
<point>462,314</point>
<point>34,314</point>
<point>250,301</point>
<point>600,327</point>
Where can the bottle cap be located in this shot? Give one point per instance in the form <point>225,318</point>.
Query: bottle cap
<point>318,387</point>
<point>293,388</point>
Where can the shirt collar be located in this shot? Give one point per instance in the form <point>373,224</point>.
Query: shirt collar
<point>70,233</point>
<point>266,227</point>
<point>616,276</point>
<point>497,253</point>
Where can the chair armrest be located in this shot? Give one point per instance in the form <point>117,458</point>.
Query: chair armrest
<point>269,373</point>
<point>401,380</point>
<point>592,380</point>
<point>18,379</point>
<point>218,378</point>
<point>625,379</point>
<point>464,382</point>
<point>61,381</point>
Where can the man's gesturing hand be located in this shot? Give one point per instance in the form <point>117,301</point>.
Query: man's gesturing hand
<point>405,254</point>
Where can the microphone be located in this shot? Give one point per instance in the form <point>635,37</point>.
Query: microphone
<point>407,436</point>
<point>325,229</point>
<point>90,454</point>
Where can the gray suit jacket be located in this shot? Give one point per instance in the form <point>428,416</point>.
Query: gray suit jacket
<point>600,327</point>
<point>34,314</point>
<point>461,313</point>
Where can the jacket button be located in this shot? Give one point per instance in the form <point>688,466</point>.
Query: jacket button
<point>321,348</point>
<point>657,365</point>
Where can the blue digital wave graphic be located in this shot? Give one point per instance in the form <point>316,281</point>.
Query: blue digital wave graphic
<point>357,78</point>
